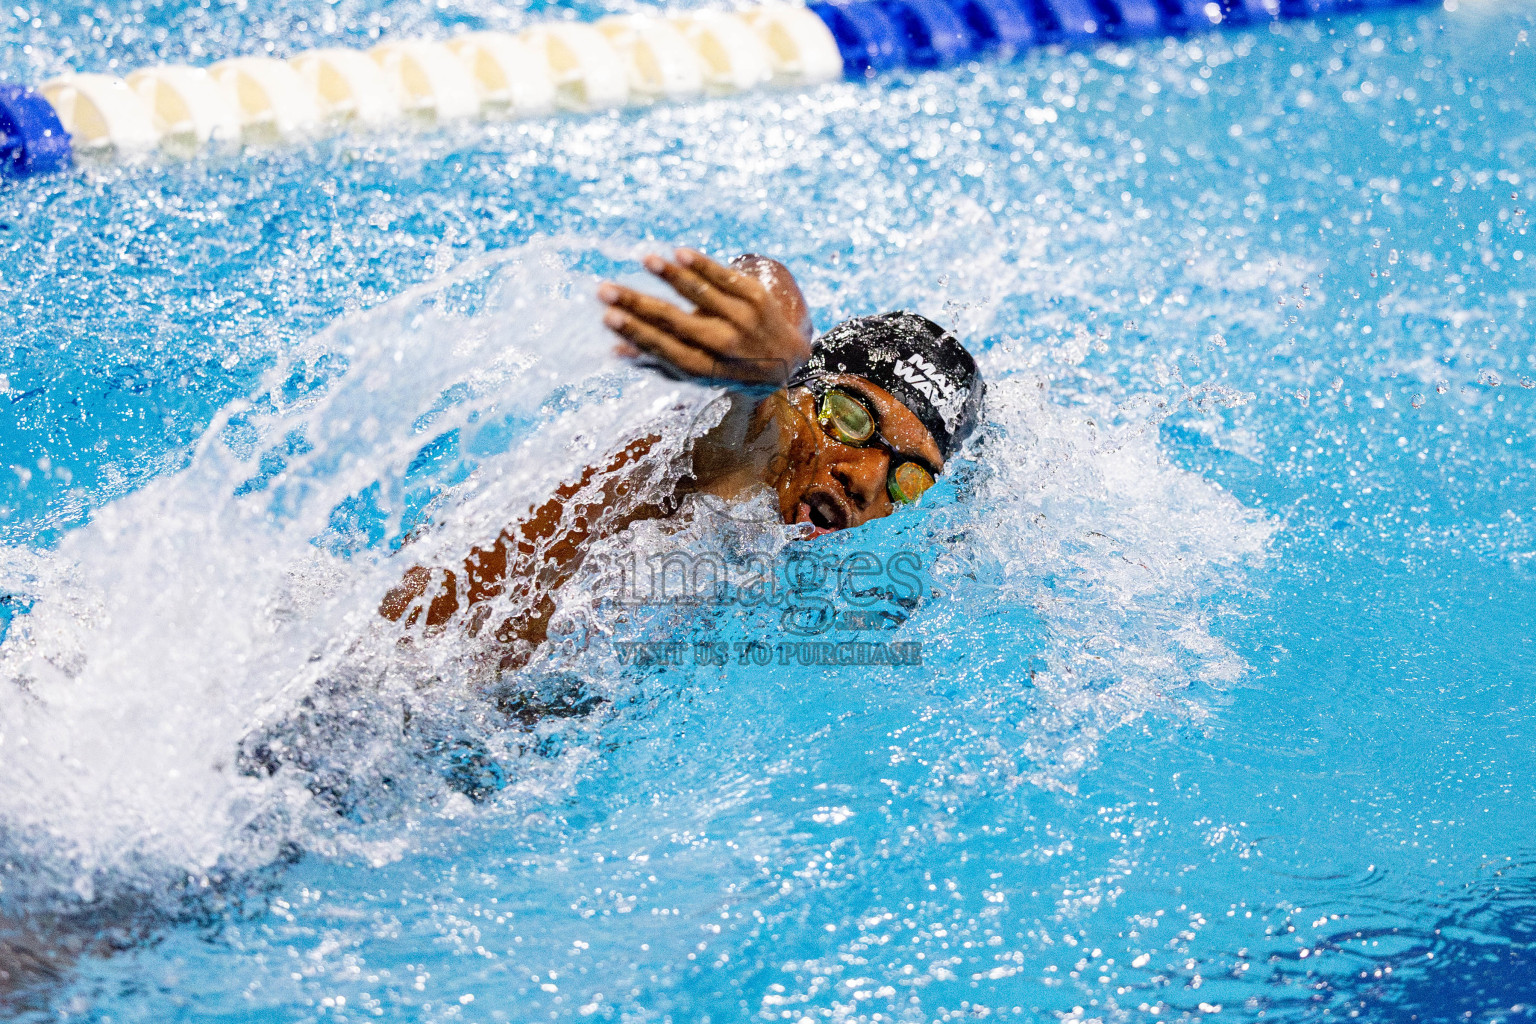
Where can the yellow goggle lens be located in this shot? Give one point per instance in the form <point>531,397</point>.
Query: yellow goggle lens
<point>846,419</point>
<point>908,482</point>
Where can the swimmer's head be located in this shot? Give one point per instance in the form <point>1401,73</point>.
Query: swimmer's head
<point>882,403</point>
<point>911,357</point>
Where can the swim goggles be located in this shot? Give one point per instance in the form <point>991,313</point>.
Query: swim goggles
<point>848,419</point>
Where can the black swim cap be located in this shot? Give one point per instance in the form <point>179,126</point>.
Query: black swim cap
<point>921,364</point>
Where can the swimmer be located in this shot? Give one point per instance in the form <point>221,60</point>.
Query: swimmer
<point>853,427</point>
<point>850,428</point>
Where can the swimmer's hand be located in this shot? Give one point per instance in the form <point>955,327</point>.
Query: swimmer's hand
<point>737,331</point>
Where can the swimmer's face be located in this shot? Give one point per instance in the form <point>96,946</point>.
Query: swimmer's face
<point>835,486</point>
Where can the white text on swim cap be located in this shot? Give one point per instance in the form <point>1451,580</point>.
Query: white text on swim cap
<point>931,382</point>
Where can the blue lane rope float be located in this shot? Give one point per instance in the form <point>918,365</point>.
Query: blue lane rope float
<point>629,59</point>
<point>32,141</point>
<point>1000,28</point>
<point>866,39</point>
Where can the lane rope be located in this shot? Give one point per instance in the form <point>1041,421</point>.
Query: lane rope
<point>573,66</point>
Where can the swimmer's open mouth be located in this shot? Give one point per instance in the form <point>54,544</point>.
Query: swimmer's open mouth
<point>823,512</point>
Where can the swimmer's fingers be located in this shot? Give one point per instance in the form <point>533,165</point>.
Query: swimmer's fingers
<point>652,340</point>
<point>729,280</point>
<point>697,289</point>
<point>690,327</point>
<point>739,331</point>
<point>716,337</point>
<point>765,335</point>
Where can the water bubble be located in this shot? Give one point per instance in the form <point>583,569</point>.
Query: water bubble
<point>1418,401</point>
<point>1338,384</point>
<point>1304,396</point>
<point>1441,387</point>
<point>1489,378</point>
<point>1525,381</point>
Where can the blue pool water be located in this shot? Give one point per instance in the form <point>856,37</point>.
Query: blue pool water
<point>1225,708</point>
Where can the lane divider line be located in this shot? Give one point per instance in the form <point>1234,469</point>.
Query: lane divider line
<point>574,66</point>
